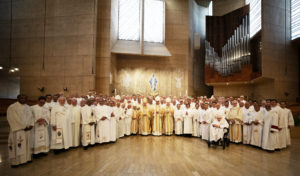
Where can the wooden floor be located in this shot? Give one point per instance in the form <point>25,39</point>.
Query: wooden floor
<point>138,155</point>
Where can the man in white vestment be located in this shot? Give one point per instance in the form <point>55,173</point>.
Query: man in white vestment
<point>173,104</point>
<point>247,126</point>
<point>257,126</point>
<point>75,120</point>
<point>121,120</point>
<point>48,103</point>
<point>69,102</point>
<point>61,134</point>
<point>90,95</point>
<point>122,125</point>
<point>242,99</point>
<point>196,114</point>
<point>205,123</point>
<point>270,129</point>
<point>128,118</point>
<point>113,121</point>
<point>178,119</point>
<point>286,121</point>
<point>219,110</point>
<point>217,128</point>
<point>41,116</point>
<point>54,101</point>
<point>226,109</point>
<point>19,117</point>
<point>276,113</point>
<point>87,125</point>
<point>201,113</point>
<point>103,123</point>
<point>187,120</point>
<point>263,106</point>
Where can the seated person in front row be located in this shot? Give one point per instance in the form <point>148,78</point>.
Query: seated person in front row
<point>217,128</point>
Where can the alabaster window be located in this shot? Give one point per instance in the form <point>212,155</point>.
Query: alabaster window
<point>131,21</point>
<point>295,19</point>
<point>255,16</point>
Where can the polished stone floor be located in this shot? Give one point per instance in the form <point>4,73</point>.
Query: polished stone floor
<point>138,155</point>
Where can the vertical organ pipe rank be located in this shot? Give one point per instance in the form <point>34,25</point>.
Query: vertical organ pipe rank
<point>235,53</point>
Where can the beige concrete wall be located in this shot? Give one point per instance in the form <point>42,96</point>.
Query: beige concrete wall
<point>66,48</point>
<point>279,58</point>
<point>222,7</point>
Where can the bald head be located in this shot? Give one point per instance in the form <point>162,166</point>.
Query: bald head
<point>61,100</point>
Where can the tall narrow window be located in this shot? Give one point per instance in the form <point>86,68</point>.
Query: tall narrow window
<point>295,19</point>
<point>255,16</point>
<point>154,21</point>
<point>129,20</point>
<point>210,8</point>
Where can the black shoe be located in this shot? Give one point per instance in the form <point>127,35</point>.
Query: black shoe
<point>85,148</point>
<point>35,156</point>
<point>56,152</point>
<point>14,166</point>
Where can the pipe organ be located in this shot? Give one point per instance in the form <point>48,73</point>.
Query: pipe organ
<point>235,53</point>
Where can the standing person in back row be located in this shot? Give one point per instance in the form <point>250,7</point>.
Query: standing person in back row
<point>187,120</point>
<point>41,117</point>
<point>75,120</point>
<point>286,121</point>
<point>87,124</point>
<point>20,121</point>
<point>61,136</point>
<point>235,117</point>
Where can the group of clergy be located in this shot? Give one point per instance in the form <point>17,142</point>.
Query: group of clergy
<point>58,123</point>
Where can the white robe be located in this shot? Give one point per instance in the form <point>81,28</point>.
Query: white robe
<point>275,126</point>
<point>270,131</point>
<point>121,122</point>
<point>247,129</point>
<point>75,120</point>
<point>201,113</point>
<point>87,130</point>
<point>256,131</point>
<point>285,120</point>
<point>19,141</point>
<point>128,118</point>
<point>41,132</point>
<point>217,133</point>
<point>188,121</point>
<point>196,114</point>
<point>50,105</point>
<point>103,126</point>
<point>205,128</point>
<point>113,124</point>
<point>178,119</point>
<point>62,136</point>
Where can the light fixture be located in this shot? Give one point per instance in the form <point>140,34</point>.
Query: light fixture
<point>16,69</point>
<point>11,70</point>
<point>1,67</point>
